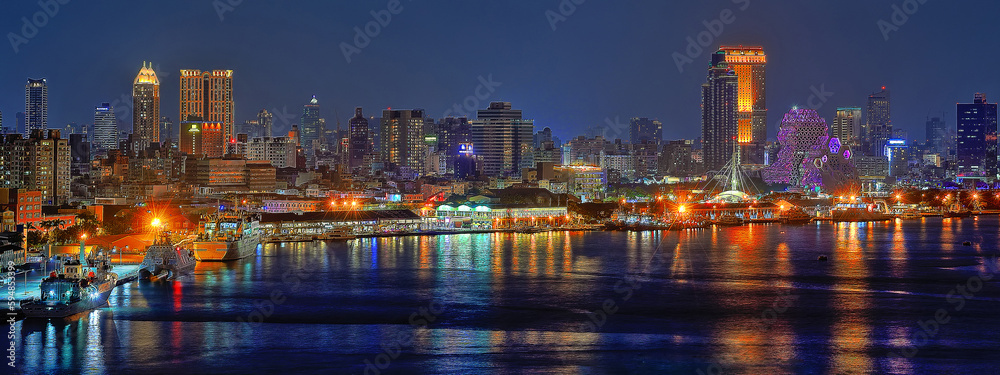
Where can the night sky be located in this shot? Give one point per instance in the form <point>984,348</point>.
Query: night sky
<point>606,60</point>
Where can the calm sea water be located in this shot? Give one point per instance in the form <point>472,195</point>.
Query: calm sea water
<point>747,300</point>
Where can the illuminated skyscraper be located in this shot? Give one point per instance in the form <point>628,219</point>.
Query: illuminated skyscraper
<point>937,136</point>
<point>265,120</point>
<point>503,139</point>
<point>360,142</point>
<point>208,96</point>
<point>718,113</point>
<point>878,123</point>
<point>311,129</point>
<point>847,125</point>
<point>749,64</point>
<point>36,106</point>
<point>105,128</point>
<point>145,108</point>
<point>403,140</point>
<point>977,139</point>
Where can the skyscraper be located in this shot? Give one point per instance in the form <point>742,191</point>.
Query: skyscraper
<point>977,139</point>
<point>208,96</point>
<point>749,65</point>
<point>936,132</point>
<point>641,129</point>
<point>49,162</point>
<point>309,124</point>
<point>105,128</point>
<point>878,122</point>
<point>847,125</point>
<point>36,105</point>
<point>145,108</point>
<point>503,139</point>
<point>360,142</point>
<point>266,121</point>
<point>719,113</point>
<point>403,140</point>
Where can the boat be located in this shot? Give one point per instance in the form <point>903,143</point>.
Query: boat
<point>337,234</point>
<point>729,220</point>
<point>77,287</point>
<point>847,212</point>
<point>956,210</point>
<point>227,235</point>
<point>164,259</point>
<point>910,215</point>
<point>796,216</point>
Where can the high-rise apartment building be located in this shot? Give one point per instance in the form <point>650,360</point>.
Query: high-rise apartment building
<point>878,122</point>
<point>719,123</point>
<point>311,128</point>
<point>360,142</point>
<point>402,138</point>
<point>503,139</point>
<point>936,131</point>
<point>145,108</point>
<point>977,139</point>
<point>49,163</point>
<point>208,97</point>
<point>847,125</point>
<point>641,129</point>
<point>36,105</point>
<point>105,127</point>
<point>749,63</point>
<point>265,120</point>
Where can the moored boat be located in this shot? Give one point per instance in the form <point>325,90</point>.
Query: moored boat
<point>228,235</point>
<point>77,287</point>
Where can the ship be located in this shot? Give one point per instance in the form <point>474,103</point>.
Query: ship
<point>796,216</point>
<point>846,212</point>
<point>957,210</point>
<point>76,288</point>
<point>164,259</point>
<point>729,220</point>
<point>336,234</point>
<point>227,235</point>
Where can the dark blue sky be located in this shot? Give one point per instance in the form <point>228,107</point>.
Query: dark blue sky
<point>607,59</point>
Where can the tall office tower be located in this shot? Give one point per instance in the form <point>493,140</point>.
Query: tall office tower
<point>642,129</point>
<point>749,63</point>
<point>36,105</point>
<point>105,128</point>
<point>145,108</point>
<point>266,121</point>
<point>13,160</point>
<point>167,130</point>
<point>878,122</point>
<point>79,150</point>
<point>19,123</point>
<point>208,96</point>
<point>977,139</point>
<point>802,131</point>
<point>403,140</point>
<point>847,125</point>
<point>503,139</point>
<point>937,136</point>
<point>49,162</point>
<point>312,131</point>
<point>719,113</point>
<point>360,143</point>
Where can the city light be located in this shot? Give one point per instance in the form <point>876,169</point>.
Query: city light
<point>156,222</point>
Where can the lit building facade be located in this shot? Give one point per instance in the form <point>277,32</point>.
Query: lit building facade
<point>36,106</point>
<point>503,139</point>
<point>847,125</point>
<point>311,128</point>
<point>265,120</point>
<point>749,63</point>
<point>202,138</point>
<point>145,108</point>
<point>402,137</point>
<point>719,113</point>
<point>977,139</point>
<point>878,123</point>
<point>360,143</point>
<point>208,96</point>
<point>641,129</point>
<point>49,162</point>
<point>280,151</point>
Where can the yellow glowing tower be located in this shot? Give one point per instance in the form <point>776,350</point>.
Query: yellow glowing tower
<point>748,62</point>
<point>208,96</point>
<point>145,108</point>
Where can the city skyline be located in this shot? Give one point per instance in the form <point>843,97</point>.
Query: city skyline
<point>799,73</point>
